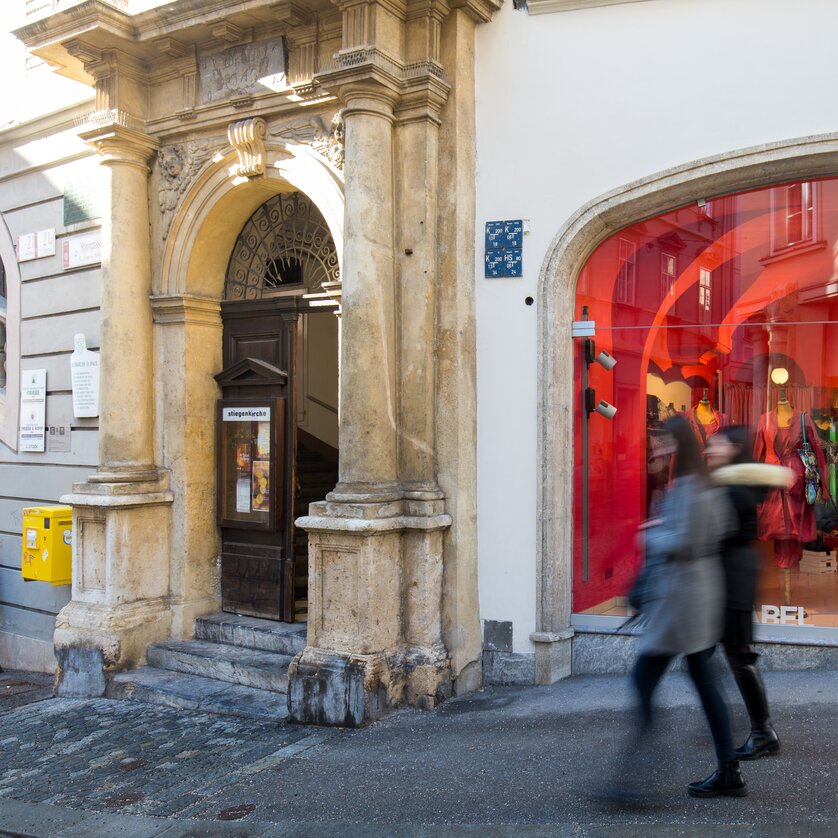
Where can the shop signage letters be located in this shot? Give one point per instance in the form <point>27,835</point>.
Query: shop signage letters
<point>783,615</point>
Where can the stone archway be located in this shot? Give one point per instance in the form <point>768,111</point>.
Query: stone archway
<point>807,157</point>
<point>186,303</point>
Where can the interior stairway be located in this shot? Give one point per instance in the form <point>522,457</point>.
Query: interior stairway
<point>317,474</point>
<point>235,666</point>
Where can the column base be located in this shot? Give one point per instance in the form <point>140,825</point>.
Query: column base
<point>341,689</point>
<point>374,637</point>
<point>552,655</point>
<point>126,474</point>
<point>93,641</point>
<point>338,689</point>
<point>428,675</point>
<point>120,604</point>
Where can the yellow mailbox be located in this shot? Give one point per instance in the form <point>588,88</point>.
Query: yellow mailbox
<point>48,544</point>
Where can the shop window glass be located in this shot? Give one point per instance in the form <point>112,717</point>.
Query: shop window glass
<point>701,335</point>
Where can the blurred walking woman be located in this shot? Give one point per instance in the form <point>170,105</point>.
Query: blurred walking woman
<point>683,600</point>
<point>746,483</point>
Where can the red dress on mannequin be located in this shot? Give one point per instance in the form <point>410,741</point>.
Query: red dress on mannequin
<point>784,515</point>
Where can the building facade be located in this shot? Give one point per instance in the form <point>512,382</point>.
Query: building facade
<point>340,261</point>
<point>679,190</point>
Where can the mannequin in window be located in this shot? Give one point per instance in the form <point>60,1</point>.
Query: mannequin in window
<point>704,419</point>
<point>785,516</point>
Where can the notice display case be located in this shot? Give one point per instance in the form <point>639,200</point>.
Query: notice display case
<point>250,469</point>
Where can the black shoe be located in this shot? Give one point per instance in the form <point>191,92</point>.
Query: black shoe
<point>760,743</point>
<point>725,780</point>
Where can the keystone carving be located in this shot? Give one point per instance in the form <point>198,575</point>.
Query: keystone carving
<point>248,139</point>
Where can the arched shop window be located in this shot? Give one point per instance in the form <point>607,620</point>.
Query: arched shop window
<point>726,312</point>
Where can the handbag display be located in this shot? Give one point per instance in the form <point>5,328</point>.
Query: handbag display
<point>811,472</point>
<point>826,516</point>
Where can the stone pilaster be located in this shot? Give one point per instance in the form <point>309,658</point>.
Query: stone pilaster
<point>121,515</point>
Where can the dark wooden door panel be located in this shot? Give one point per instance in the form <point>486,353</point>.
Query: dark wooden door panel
<point>257,566</point>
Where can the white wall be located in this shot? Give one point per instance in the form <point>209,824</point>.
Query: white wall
<point>571,105</point>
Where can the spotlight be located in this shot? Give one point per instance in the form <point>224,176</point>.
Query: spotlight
<point>606,409</point>
<point>605,360</point>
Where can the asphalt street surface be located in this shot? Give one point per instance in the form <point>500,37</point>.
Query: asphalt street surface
<point>502,761</point>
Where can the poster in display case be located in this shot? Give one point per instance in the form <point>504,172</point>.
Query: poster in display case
<point>250,450</point>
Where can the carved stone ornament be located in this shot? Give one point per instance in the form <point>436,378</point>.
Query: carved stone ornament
<point>248,139</point>
<point>178,165</point>
<point>330,143</point>
<point>326,140</point>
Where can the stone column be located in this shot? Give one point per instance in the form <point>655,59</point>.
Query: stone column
<point>126,448</point>
<point>368,451</point>
<point>121,515</point>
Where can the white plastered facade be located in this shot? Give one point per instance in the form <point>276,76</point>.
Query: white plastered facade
<point>577,113</point>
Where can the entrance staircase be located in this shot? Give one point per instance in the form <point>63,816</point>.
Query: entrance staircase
<point>238,666</point>
<point>317,474</point>
<point>235,666</point>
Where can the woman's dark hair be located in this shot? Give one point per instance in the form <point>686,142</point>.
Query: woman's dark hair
<point>743,439</point>
<point>688,458</point>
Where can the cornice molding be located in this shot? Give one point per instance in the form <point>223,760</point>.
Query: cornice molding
<point>368,72</point>
<point>543,7</point>
<point>480,11</point>
<point>186,308</point>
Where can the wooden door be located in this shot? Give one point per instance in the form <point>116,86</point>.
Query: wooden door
<point>257,555</point>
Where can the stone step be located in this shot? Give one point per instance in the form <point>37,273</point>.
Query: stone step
<point>234,664</point>
<point>252,633</point>
<point>191,692</point>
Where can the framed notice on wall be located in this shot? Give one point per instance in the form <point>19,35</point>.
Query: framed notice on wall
<point>33,410</point>
<point>250,464</point>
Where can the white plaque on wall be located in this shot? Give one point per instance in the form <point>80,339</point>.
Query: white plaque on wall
<point>36,245</point>
<point>58,439</point>
<point>33,410</point>
<point>84,374</point>
<point>84,249</point>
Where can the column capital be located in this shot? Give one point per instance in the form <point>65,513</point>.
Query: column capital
<point>117,143</point>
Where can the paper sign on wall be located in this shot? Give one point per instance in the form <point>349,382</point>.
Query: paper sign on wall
<point>84,374</point>
<point>33,410</point>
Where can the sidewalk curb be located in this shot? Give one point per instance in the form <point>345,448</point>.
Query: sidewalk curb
<point>20,819</point>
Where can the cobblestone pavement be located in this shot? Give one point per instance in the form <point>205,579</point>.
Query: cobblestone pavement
<point>502,761</point>
<point>20,688</point>
<point>137,759</point>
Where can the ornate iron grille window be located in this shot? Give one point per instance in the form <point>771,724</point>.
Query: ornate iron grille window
<point>284,244</point>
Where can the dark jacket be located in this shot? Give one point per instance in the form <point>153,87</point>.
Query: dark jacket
<point>747,486</point>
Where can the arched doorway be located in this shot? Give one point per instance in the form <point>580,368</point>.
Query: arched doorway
<point>280,356</point>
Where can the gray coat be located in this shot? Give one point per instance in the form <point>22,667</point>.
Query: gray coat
<point>685,613</point>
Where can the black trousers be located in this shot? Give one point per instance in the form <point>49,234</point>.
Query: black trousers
<point>648,671</point>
